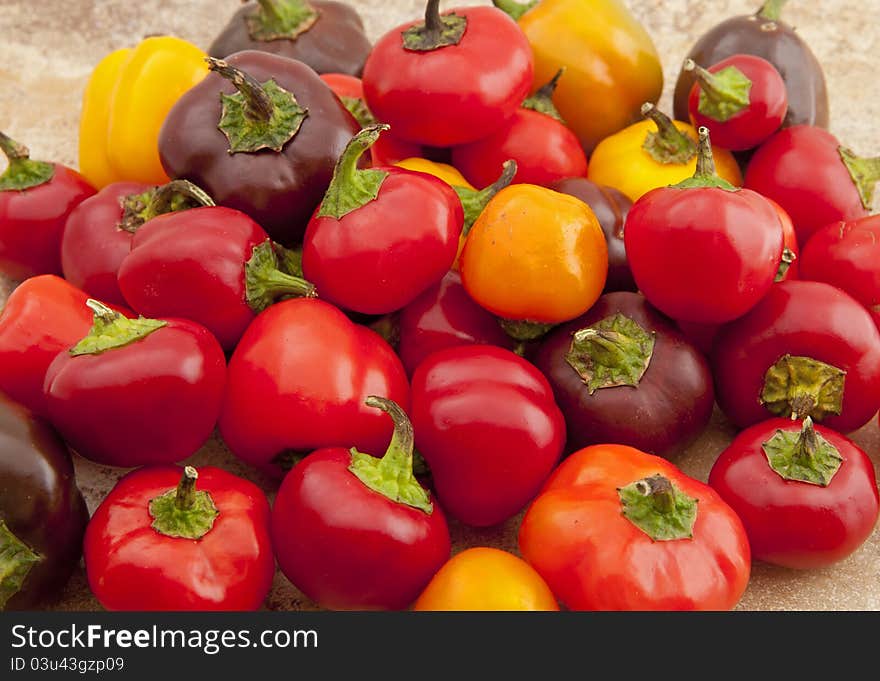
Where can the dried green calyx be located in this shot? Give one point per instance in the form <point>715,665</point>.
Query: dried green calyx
<point>184,512</point>
<point>22,172</point>
<point>613,352</point>
<point>258,116</point>
<point>723,94</point>
<point>704,175</point>
<point>803,456</point>
<point>668,144</point>
<point>798,387</point>
<point>16,561</point>
<point>542,100</point>
<point>865,173</point>
<point>280,19</point>
<point>392,475</point>
<point>112,330</point>
<point>435,31</point>
<point>658,508</point>
<point>175,196</point>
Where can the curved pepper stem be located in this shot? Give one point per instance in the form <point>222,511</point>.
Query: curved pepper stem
<point>280,19</point>
<point>658,508</point>
<point>705,175</point>
<point>865,173</point>
<point>723,94</point>
<point>475,201</point>
<point>184,512</point>
<point>22,172</point>
<point>392,475</point>
<point>267,280</point>
<point>436,31</point>
<point>668,144</point>
<point>542,100</point>
<point>351,187</point>
<point>175,196</point>
<point>515,9</point>
<point>771,10</point>
<point>112,330</point>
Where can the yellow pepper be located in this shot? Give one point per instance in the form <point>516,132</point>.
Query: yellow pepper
<point>611,63</point>
<point>444,171</point>
<point>657,152</point>
<point>126,100</point>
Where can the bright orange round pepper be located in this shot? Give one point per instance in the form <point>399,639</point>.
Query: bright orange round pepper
<point>486,579</point>
<point>535,255</point>
<point>656,152</point>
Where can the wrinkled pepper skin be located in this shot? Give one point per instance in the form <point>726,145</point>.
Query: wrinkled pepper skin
<point>280,190</point>
<point>335,43</point>
<point>39,503</point>
<point>42,317</point>
<point>778,43</point>
<point>126,100</point>
<point>607,54</point>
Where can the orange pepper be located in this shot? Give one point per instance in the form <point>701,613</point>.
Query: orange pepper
<point>486,579</point>
<point>657,152</point>
<point>536,256</point>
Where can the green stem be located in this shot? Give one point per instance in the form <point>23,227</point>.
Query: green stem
<point>435,31</point>
<point>184,512</point>
<point>771,10</point>
<point>271,10</point>
<point>280,19</point>
<point>704,175</point>
<point>351,187</point>
<point>13,150</point>
<point>258,105</point>
<point>803,456</point>
<point>185,497</point>
<point>112,330</point>
<point>542,100</point>
<point>658,508</point>
<point>22,172</point>
<point>515,9</point>
<point>266,282</point>
<point>865,173</point>
<point>669,144</point>
<point>474,201</point>
<point>722,95</point>
<point>174,196</point>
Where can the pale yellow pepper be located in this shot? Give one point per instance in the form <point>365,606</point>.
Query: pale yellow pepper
<point>449,174</point>
<point>125,103</point>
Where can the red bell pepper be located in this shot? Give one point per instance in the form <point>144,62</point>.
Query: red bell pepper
<point>298,380</point>
<point>137,391</point>
<point>487,425</point>
<point>212,265</point>
<point>381,236</point>
<point>357,532</point>
<point>162,542</point>
<point>35,199</point>
<point>98,233</point>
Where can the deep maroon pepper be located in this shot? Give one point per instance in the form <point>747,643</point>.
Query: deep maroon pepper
<point>98,232</point>
<point>611,207</point>
<point>268,149</point>
<point>42,513</point>
<point>442,317</point>
<point>621,373</point>
<point>328,36</point>
<point>764,35</point>
<point>35,199</point>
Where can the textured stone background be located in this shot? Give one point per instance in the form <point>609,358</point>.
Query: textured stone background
<point>49,48</point>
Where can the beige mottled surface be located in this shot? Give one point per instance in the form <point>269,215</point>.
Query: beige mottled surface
<point>50,46</point>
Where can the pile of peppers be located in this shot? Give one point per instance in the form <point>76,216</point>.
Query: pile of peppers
<point>468,274</point>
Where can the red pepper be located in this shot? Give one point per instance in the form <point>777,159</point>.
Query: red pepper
<point>617,529</point>
<point>813,177</point>
<point>703,251</point>
<point>807,349</point>
<point>806,494</point>
<point>741,99</point>
<point>387,150</point>
<point>487,425</point>
<point>162,542</point>
<point>788,267</point>
<point>137,391</point>
<point>442,317</point>
<point>847,255</point>
<point>357,532</point>
<point>35,199</point>
<point>98,232</point>
<point>298,380</point>
<point>381,236</point>
<point>43,316</point>
<point>545,150</point>
<point>449,79</point>
<point>212,265</point>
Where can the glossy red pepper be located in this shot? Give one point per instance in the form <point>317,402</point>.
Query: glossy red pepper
<point>847,255</point>
<point>807,495</point>
<point>381,236</point>
<point>449,79</point>
<point>703,251</point>
<point>813,177</point>
<point>167,538</point>
<point>298,380</point>
<point>807,349</point>
<point>544,148</point>
<point>35,199</point>
<point>387,150</point>
<point>357,532</point>
<point>137,391</point>
<point>99,231</point>
<point>42,316</point>
<point>487,425</point>
<point>741,99</point>
<point>788,266</point>
<point>442,317</point>
<point>212,265</point>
